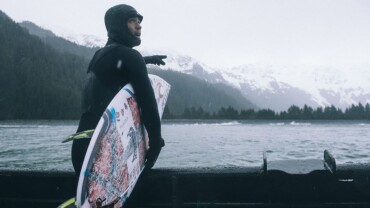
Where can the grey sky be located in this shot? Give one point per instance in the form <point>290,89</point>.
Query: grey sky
<point>225,32</point>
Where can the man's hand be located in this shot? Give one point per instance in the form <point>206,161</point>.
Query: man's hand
<point>153,152</point>
<point>157,59</point>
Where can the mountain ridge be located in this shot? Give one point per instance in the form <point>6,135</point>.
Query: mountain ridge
<point>278,87</point>
<point>58,43</point>
<point>180,98</point>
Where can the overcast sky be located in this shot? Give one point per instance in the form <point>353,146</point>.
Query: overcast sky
<point>225,32</point>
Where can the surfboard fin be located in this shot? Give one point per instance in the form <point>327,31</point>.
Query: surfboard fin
<point>80,135</point>
<point>329,162</point>
<point>71,203</point>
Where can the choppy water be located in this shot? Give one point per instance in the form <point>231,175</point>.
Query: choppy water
<point>37,144</point>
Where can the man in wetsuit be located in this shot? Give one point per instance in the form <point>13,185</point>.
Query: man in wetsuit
<point>111,68</point>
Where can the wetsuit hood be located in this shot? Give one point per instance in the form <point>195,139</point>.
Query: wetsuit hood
<point>116,24</point>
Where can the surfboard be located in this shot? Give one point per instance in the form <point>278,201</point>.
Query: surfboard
<point>116,154</point>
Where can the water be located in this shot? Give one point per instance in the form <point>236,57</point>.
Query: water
<point>37,144</point>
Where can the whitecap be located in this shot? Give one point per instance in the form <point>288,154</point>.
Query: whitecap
<point>216,124</point>
<point>293,123</point>
<point>364,124</point>
<point>277,124</point>
<point>231,123</point>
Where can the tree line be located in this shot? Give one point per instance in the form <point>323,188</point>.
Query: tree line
<point>354,112</point>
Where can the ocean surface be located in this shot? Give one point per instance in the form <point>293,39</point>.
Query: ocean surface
<point>37,145</point>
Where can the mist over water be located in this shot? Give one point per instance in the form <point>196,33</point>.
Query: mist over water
<point>37,144</point>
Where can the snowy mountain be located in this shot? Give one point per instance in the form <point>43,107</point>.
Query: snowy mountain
<point>274,87</point>
<point>279,87</point>
<point>185,88</point>
<point>57,42</point>
<point>84,39</point>
<point>87,40</point>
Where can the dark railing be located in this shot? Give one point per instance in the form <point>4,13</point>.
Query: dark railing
<point>348,186</point>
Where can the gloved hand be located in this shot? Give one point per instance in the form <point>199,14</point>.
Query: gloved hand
<point>157,59</point>
<point>153,152</point>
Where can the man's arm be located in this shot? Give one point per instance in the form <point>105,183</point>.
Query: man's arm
<point>156,59</point>
<point>145,97</point>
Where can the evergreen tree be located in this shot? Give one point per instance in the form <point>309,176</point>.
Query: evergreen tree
<point>294,112</point>
<point>266,114</point>
<point>307,112</point>
<point>367,111</point>
<point>247,114</point>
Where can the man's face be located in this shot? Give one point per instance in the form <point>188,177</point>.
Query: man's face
<point>134,26</point>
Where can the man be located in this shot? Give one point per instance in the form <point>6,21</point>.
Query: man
<point>111,68</point>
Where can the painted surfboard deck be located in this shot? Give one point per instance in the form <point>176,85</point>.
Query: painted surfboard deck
<point>116,154</point>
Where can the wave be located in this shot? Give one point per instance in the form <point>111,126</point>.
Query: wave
<point>277,124</point>
<point>231,123</point>
<point>293,123</point>
<point>226,123</point>
<point>364,124</point>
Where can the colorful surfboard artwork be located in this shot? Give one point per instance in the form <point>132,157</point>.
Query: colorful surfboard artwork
<point>116,154</point>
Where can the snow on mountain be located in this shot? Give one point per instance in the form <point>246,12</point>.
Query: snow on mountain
<point>271,86</point>
<point>177,61</point>
<point>279,87</point>
<point>321,85</point>
<point>80,39</point>
<point>84,39</point>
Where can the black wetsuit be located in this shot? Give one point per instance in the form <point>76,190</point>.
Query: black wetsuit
<point>111,68</point>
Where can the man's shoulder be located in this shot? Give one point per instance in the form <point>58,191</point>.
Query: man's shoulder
<point>124,50</point>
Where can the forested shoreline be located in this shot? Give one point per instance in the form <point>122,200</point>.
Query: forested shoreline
<point>354,112</point>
